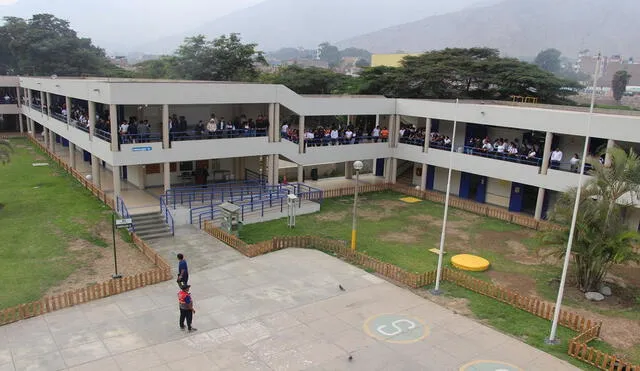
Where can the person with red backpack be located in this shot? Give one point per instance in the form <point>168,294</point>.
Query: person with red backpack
<point>186,308</point>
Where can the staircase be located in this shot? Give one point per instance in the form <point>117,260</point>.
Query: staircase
<point>405,173</point>
<point>150,226</point>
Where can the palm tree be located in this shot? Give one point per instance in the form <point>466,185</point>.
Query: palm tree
<point>6,149</point>
<point>601,236</point>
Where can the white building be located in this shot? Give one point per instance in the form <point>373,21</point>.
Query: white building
<point>528,186</point>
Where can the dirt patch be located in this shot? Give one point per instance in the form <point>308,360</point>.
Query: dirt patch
<point>620,332</point>
<point>380,209</point>
<point>96,263</point>
<point>520,283</point>
<point>456,230</point>
<point>456,305</point>
<point>330,216</point>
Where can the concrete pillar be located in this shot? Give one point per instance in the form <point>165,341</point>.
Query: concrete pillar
<point>394,170</point>
<point>348,170</point>
<point>272,174</point>
<point>427,135</point>
<point>29,98</point>
<point>92,119</point>
<point>45,135</point>
<point>72,155</point>
<point>272,126</point>
<point>52,141</point>
<point>20,122</point>
<point>67,103</point>
<point>301,135</point>
<point>377,122</point>
<point>165,126</point>
<point>95,170</point>
<point>423,178</point>
<point>48,95</point>
<point>547,153</point>
<point>386,171</point>
<point>113,120</point>
<point>276,122</point>
<point>166,176</point>
<point>300,173</point>
<point>539,203</point>
<point>607,157</point>
<point>116,181</point>
<point>42,99</point>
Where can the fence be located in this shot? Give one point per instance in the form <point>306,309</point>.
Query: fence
<point>161,273</point>
<point>578,348</point>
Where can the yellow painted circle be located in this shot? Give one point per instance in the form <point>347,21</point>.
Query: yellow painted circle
<point>470,262</point>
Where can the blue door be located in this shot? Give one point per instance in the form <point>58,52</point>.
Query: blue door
<point>57,138</point>
<point>515,202</point>
<point>65,143</point>
<point>545,204</point>
<point>431,173</point>
<point>465,183</point>
<point>86,156</point>
<point>380,167</point>
<point>124,172</point>
<point>481,192</point>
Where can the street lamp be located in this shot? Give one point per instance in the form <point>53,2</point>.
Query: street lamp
<point>357,166</point>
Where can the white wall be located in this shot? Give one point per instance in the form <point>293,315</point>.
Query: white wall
<point>9,109</point>
<point>440,180</point>
<point>136,175</point>
<point>570,144</point>
<point>498,192</point>
<point>507,133</point>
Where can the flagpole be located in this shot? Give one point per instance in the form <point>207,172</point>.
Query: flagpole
<point>436,289</point>
<point>556,313</point>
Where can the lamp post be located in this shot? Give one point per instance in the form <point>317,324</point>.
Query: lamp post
<point>567,256</point>
<point>357,166</point>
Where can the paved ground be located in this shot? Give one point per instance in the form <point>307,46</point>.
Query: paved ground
<point>281,311</point>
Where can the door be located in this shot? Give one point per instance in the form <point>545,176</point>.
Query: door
<point>380,167</point>
<point>465,183</point>
<point>431,173</point>
<point>515,202</point>
<point>481,190</point>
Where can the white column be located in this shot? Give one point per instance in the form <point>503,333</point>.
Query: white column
<point>92,119</point>
<point>387,170</point>
<point>165,126</point>
<point>42,100</point>
<point>116,181</point>
<point>394,170</point>
<point>272,125</point>
<point>72,155</point>
<point>301,135</point>
<point>113,120</point>
<point>539,203</point>
<point>276,122</point>
<point>67,103</point>
<point>423,178</point>
<point>52,141</point>
<point>166,176</point>
<point>29,97</point>
<point>21,123</point>
<point>547,153</point>
<point>48,95</point>
<point>45,135</point>
<point>300,173</point>
<point>348,169</point>
<point>427,135</point>
<point>95,170</point>
<point>607,157</point>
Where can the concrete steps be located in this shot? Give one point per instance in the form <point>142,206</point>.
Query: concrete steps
<point>151,226</point>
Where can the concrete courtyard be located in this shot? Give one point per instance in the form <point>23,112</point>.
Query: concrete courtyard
<point>281,311</point>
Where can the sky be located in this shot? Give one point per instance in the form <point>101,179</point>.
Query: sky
<point>111,24</point>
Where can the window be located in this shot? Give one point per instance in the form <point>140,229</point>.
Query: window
<point>186,166</point>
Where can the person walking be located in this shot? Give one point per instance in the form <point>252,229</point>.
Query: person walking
<point>183,271</point>
<point>186,308</point>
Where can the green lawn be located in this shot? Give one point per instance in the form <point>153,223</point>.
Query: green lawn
<point>44,210</point>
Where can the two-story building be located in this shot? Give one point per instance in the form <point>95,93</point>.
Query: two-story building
<point>86,115</point>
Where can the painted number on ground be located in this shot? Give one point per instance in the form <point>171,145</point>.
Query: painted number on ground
<point>489,366</point>
<point>395,328</point>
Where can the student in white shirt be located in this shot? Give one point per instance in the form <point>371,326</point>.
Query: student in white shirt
<point>575,163</point>
<point>556,158</point>
<point>376,134</point>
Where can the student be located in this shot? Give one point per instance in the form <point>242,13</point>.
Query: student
<point>186,308</point>
<point>183,271</point>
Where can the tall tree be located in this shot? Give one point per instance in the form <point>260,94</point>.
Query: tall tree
<point>619,84</point>
<point>601,236</point>
<point>330,54</point>
<point>308,80</point>
<point>549,60</point>
<point>46,45</point>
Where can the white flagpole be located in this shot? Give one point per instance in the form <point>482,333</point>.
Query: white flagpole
<point>556,313</point>
<point>436,289</point>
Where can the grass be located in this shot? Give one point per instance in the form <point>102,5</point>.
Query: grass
<point>528,328</point>
<point>44,210</point>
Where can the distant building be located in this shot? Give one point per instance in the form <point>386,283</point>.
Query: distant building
<point>388,60</point>
<point>348,66</point>
<point>609,67</point>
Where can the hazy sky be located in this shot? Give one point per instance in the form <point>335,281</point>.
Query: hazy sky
<point>113,23</point>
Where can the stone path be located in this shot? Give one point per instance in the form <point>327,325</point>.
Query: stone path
<point>281,311</point>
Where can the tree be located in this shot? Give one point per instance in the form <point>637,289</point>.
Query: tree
<point>162,68</point>
<point>363,54</point>
<point>6,149</point>
<point>308,80</point>
<point>46,45</point>
<point>330,54</point>
<point>549,60</point>
<point>601,238</point>
<point>619,84</point>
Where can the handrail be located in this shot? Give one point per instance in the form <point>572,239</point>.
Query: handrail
<point>248,202</point>
<point>121,209</point>
<point>168,218</point>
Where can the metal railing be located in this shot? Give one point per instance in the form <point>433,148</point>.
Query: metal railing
<point>168,218</point>
<point>122,210</point>
<point>248,201</point>
<point>218,134</point>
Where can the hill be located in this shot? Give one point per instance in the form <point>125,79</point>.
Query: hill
<point>518,28</point>
<point>274,24</point>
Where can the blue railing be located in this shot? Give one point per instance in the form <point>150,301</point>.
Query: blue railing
<point>122,210</point>
<point>218,134</point>
<point>246,202</point>
<point>168,218</point>
<point>219,191</point>
<point>256,205</point>
<point>251,175</point>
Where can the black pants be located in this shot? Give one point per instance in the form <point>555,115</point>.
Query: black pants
<point>188,315</point>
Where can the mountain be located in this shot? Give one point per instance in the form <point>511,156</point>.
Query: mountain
<point>518,28</point>
<point>274,24</point>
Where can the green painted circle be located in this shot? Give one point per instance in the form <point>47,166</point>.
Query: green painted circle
<point>396,328</point>
<point>489,366</point>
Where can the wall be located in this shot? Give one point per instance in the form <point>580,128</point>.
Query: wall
<point>136,175</point>
<point>509,134</point>
<point>633,219</point>
<point>389,60</point>
<point>440,182</point>
<point>498,192</point>
<point>570,144</point>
